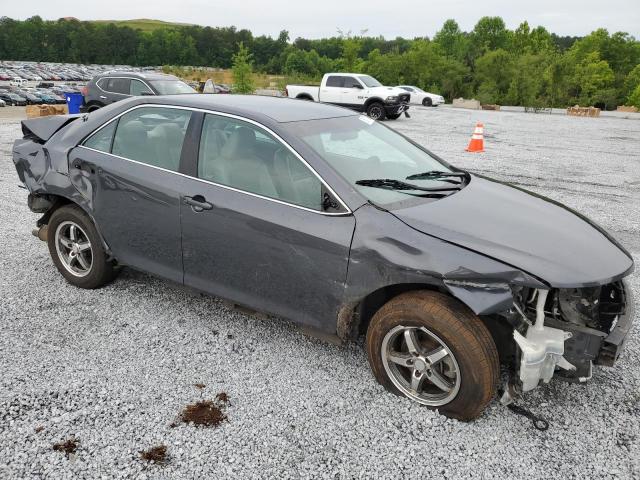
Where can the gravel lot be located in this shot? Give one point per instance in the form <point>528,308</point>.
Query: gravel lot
<point>114,367</point>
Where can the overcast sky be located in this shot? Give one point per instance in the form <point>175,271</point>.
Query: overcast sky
<point>313,19</point>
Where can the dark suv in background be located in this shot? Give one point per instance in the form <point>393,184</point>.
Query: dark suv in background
<point>110,87</point>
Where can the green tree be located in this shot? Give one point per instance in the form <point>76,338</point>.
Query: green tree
<point>495,70</point>
<point>593,78</point>
<point>526,83</point>
<point>634,98</point>
<point>351,47</point>
<point>453,42</point>
<point>490,33</point>
<point>242,71</point>
<point>631,81</point>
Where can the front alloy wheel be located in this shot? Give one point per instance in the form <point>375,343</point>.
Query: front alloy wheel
<point>376,111</point>
<point>430,348</point>
<point>420,365</point>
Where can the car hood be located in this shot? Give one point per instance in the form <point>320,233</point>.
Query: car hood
<point>525,230</point>
<point>386,91</point>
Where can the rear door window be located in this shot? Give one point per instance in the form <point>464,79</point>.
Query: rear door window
<point>119,85</point>
<point>152,135</point>
<point>335,81</point>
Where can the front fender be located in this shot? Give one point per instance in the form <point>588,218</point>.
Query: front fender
<point>379,260</point>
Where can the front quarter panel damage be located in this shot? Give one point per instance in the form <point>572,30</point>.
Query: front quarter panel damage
<point>411,257</point>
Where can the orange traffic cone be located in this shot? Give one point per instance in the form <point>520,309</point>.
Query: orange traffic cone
<point>477,139</point>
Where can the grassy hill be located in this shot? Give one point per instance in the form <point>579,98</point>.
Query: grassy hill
<point>144,24</point>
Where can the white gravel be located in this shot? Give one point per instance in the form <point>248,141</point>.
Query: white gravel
<point>114,367</point>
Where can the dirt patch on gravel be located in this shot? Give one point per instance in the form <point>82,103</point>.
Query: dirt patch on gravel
<point>69,446</point>
<point>156,454</point>
<point>222,397</point>
<point>205,413</point>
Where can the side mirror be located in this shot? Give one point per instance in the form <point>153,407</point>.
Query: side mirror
<point>147,93</point>
<point>358,86</point>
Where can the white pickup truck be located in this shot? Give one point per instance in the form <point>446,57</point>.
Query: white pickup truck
<point>359,92</point>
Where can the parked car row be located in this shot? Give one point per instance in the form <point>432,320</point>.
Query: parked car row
<point>21,72</point>
<point>21,96</point>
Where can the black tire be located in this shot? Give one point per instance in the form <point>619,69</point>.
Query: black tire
<point>427,102</point>
<point>305,97</point>
<point>395,116</point>
<point>376,111</point>
<point>470,363</point>
<point>101,271</point>
<point>93,107</point>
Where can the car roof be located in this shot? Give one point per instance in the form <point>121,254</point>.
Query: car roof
<point>140,75</point>
<point>279,109</point>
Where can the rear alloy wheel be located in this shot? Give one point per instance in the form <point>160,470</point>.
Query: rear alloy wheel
<point>427,102</point>
<point>376,111</point>
<point>76,249</point>
<point>432,349</point>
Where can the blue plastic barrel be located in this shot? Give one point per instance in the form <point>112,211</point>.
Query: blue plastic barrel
<point>74,101</point>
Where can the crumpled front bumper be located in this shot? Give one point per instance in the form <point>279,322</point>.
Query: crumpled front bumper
<point>396,109</point>
<point>588,346</point>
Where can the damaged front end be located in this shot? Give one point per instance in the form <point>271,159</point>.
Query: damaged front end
<point>564,332</point>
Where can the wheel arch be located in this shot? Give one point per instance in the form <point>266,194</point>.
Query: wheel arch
<point>94,105</point>
<point>354,318</point>
<point>304,96</point>
<point>371,100</point>
<point>49,203</point>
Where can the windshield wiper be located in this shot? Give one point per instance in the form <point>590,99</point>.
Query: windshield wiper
<point>440,175</point>
<point>390,184</point>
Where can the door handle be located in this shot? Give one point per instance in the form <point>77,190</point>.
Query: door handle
<point>103,97</point>
<point>198,203</point>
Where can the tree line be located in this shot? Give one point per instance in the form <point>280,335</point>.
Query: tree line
<point>526,66</point>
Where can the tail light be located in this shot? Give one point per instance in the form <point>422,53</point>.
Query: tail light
<point>286,92</point>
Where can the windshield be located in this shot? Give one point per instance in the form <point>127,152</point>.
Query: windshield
<point>360,149</point>
<point>369,81</point>
<point>171,87</point>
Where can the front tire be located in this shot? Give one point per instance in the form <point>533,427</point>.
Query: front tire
<point>432,349</point>
<point>376,111</point>
<point>76,249</point>
<point>427,102</point>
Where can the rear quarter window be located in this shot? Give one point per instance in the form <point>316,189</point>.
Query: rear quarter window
<point>102,139</point>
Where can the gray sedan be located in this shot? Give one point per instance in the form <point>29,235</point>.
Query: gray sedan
<point>319,215</point>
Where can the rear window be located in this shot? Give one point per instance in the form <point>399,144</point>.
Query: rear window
<point>171,87</point>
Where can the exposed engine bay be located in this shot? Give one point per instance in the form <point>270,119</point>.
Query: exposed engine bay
<point>565,332</point>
